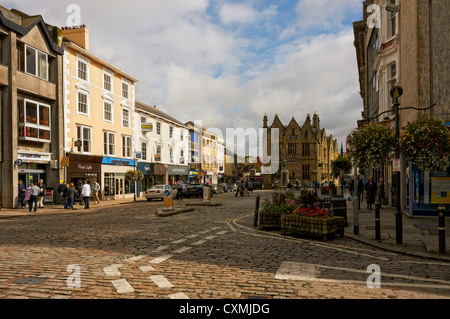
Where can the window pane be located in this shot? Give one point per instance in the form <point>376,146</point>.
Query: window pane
<point>44,115</point>
<point>31,111</point>
<point>44,134</point>
<point>82,103</point>
<point>43,67</point>
<point>30,60</point>
<point>82,70</point>
<point>86,140</point>
<point>108,112</point>
<point>32,132</point>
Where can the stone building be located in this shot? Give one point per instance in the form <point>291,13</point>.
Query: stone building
<point>306,148</point>
<point>409,47</point>
<point>31,95</point>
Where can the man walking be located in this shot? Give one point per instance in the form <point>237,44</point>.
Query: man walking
<point>359,191</point>
<point>34,194</point>
<point>71,194</point>
<point>86,193</point>
<point>95,189</point>
<point>180,190</point>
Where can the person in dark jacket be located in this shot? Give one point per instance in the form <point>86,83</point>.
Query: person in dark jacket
<point>359,190</point>
<point>22,190</point>
<point>71,194</point>
<point>371,193</point>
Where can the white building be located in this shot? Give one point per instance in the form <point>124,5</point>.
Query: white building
<point>163,143</point>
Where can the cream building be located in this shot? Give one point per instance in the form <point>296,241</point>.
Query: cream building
<point>99,106</point>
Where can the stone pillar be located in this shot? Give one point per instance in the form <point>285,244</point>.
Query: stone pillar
<point>9,171</point>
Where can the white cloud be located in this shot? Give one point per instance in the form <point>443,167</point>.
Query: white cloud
<point>237,13</point>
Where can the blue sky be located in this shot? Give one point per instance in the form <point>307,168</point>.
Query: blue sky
<point>228,63</point>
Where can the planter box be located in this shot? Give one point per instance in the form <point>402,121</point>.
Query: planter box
<point>269,220</point>
<point>324,228</point>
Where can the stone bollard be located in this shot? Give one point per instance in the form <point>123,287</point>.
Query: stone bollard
<point>377,221</point>
<point>206,195</point>
<point>441,229</point>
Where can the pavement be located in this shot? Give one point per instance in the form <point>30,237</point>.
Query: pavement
<point>420,234</point>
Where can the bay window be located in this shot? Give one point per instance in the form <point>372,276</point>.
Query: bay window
<point>34,121</point>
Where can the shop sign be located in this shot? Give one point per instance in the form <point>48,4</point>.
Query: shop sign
<point>146,168</point>
<point>147,127</point>
<point>396,165</point>
<point>118,161</point>
<point>33,156</point>
<point>177,170</point>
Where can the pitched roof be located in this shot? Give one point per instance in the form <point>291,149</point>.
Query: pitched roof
<point>22,23</point>
<point>158,113</point>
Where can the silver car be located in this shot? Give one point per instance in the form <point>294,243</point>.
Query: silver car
<point>157,192</point>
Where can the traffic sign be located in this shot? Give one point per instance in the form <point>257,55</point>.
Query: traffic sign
<point>167,193</point>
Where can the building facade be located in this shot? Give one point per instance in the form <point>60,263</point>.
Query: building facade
<point>31,95</point>
<point>99,107</point>
<point>412,51</point>
<point>306,148</point>
<point>163,142</point>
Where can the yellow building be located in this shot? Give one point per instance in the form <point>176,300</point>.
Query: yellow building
<point>99,102</point>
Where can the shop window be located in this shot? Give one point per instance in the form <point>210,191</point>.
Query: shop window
<point>34,121</point>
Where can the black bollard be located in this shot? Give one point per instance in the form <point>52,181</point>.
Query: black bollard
<point>441,229</point>
<point>255,222</point>
<point>377,221</point>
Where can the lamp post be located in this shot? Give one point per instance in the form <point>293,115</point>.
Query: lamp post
<point>396,93</point>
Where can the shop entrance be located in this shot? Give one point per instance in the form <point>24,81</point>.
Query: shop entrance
<point>28,178</point>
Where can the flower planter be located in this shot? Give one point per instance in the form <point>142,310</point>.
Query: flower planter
<point>270,220</point>
<point>324,228</point>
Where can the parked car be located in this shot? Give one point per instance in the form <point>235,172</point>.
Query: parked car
<point>157,192</point>
<point>328,188</point>
<point>196,190</point>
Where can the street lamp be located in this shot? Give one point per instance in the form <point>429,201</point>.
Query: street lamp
<point>396,93</point>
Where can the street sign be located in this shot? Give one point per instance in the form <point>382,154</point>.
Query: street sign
<point>396,165</point>
<point>167,193</point>
<point>65,161</point>
<point>19,162</point>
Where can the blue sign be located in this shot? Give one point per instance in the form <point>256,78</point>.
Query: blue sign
<point>167,193</point>
<point>118,161</point>
<point>19,162</point>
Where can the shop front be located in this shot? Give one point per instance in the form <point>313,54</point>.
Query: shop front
<point>160,174</point>
<point>425,191</point>
<point>195,175</point>
<point>115,186</point>
<point>177,172</point>
<point>83,167</point>
<point>148,169</point>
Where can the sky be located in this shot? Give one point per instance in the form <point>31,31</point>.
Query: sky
<point>227,63</point>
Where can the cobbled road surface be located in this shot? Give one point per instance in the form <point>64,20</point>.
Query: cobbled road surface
<point>128,251</point>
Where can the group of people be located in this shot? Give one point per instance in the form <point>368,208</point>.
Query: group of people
<point>244,188</point>
<point>34,194</point>
<point>371,189</point>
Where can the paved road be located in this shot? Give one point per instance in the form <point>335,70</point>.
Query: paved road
<point>212,253</point>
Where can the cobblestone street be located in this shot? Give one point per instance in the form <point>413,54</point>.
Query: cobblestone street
<point>210,253</point>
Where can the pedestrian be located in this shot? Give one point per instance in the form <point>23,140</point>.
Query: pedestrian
<point>86,193</point>
<point>238,185</point>
<point>41,195</point>
<point>95,190</point>
<point>359,190</point>
<point>64,196</point>
<point>371,192</point>
<point>22,190</point>
<point>380,191</point>
<point>179,190</point>
<point>34,197</point>
<point>28,195</point>
<point>71,194</point>
<point>61,189</point>
<point>250,187</point>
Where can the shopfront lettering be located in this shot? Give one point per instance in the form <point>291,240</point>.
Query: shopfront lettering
<point>85,167</point>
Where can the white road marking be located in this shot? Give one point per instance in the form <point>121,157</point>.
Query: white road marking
<point>222,232</point>
<point>181,250</point>
<point>160,259</point>
<point>146,268</point>
<point>179,295</point>
<point>232,228</point>
<point>215,228</point>
<point>205,231</point>
<point>192,236</point>
<point>160,248</point>
<point>200,242</point>
<point>210,237</point>
<point>122,286</point>
<point>137,258</point>
<point>112,270</point>
<point>296,271</point>
<point>179,241</point>
<point>161,281</point>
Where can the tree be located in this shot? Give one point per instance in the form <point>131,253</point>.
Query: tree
<point>342,165</point>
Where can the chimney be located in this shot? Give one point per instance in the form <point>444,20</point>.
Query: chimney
<point>78,35</point>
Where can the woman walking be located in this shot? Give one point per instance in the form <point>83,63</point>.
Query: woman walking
<point>371,191</point>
